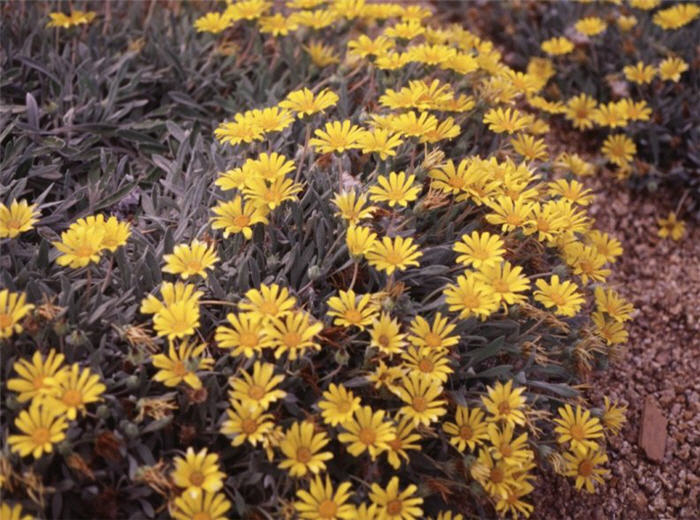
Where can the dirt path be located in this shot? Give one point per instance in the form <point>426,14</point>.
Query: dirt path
<point>662,361</point>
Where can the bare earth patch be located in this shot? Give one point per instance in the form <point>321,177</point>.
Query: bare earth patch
<point>661,278</point>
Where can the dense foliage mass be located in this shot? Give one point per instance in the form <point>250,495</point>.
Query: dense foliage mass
<point>314,260</point>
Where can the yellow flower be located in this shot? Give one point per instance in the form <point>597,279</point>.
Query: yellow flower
<point>336,136</point>
<point>430,54</point>
<point>435,336</point>
<point>586,262</point>
<point>511,503</point>
<point>571,190</point>
<point>574,163</point>
<point>385,376</point>
<point>471,297</point>
<point>364,46</point>
<point>640,73</point>
<point>529,147</point>
<point>8,512</point>
<point>479,250</point>
<point>267,166</point>
<point>293,334</point>
<point>322,55</point>
<point>277,24</point>
<point>303,102</point>
<point>76,389</point>
<point>242,130</point>
<point>509,213</point>
<point>182,364</point>
<point>584,467</point>
<point>635,111</point>
<point>672,68</point>
<point>505,403</point>
<point>393,255</point>
<point>247,10</point>
<point>321,502</point>
<point>212,22</point>
<point>578,428</point>
<point>508,120</point>
<point>246,336</point>
<point>360,240</point>
<point>613,332</point>
<point>506,281</point>
<point>259,390</point>
<point>236,217</point>
<point>645,5</point>
<point>338,405</point>
<point>429,363</point>
<point>318,19</point>
<point>449,179</point>
<point>504,447</point>
<point>580,110</point>
<point>446,129</point>
<point>198,471</point>
<point>302,447</point>
<point>613,416</point>
<point>80,245</point>
<point>396,189</point>
<point>13,308</point>
<point>557,46</point>
<point>271,119</point>
<point>349,312</point>
<point>367,431</point>
<point>420,395</point>
<point>247,424</point>
<point>409,124</point>
<point>75,18</point>
<point>562,295</point>
<point>352,207</point>
<point>404,439</point>
<point>386,336</point>
<point>625,23</point>
<point>267,302</point>
<point>190,259</point>
<point>668,227</point>
<point>590,26</point>
<point>676,16</point>
<point>405,30</point>
<point>41,426</point>
<point>17,218</point>
<point>605,245</point>
<point>380,141</point>
<point>619,149</point>
<point>39,378</point>
<point>212,506</point>
<point>177,320</point>
<point>468,430</point>
<point>612,304</point>
<point>395,504</point>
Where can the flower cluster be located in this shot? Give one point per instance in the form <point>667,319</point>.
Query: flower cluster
<point>87,238</point>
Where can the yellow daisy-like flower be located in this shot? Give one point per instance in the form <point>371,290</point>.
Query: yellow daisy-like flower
<point>586,262</point>
<point>613,332</point>
<point>247,9</point>
<point>267,302</point>
<point>671,69</point>
<point>267,196</point>
<point>625,23</point>
<point>338,405</point>
<point>590,26</point>
<point>13,308</point>
<point>471,297</point>
<point>613,115</point>
<point>247,424</point>
<point>605,245</point>
<point>385,376</point>
<point>430,363</point>
<point>506,280</point>
<point>393,255</point>
<point>612,304</point>
<point>321,502</point>
<point>233,179</point>
<point>320,54</point>
<point>613,416</point>
<point>504,447</point>
<point>407,30</point>
<point>75,18</point>
<point>181,364</point>
<point>444,130</point>
<point>511,503</point>
<point>302,447</point>
<point>367,431</point>
<point>557,46</point>
<point>381,141</point>
<point>435,336</point>
<point>405,438</point>
<point>212,22</point>
<point>236,217</point>
<point>676,16</point>
<point>179,319</point>
<point>41,426</point>
<point>17,218</point>
<point>198,471</point>
<point>360,240</point>
<point>271,119</point>
<point>293,334</point>
<point>564,296</point>
<point>8,512</point>
<point>385,335</point>
<point>670,226</point>
<point>479,250</point>
<point>469,429</point>
<point>420,393</point>
<point>409,124</point>
<point>395,504</point>
<point>80,245</point>
<point>39,377</point>
<point>246,336</point>
<point>571,190</point>
<point>76,389</point>
<point>277,24</point>
<point>639,73</point>
<point>529,147</point>
<point>505,403</point>
<point>508,213</point>
<point>396,189</point>
<point>259,390</point>
<point>207,505</point>
<point>452,180</point>
<point>243,129</point>
<point>268,166</point>
<point>304,103</point>
<point>578,428</point>
<point>348,311</point>
<point>190,259</point>
<point>363,46</point>
<point>336,136</point>
<point>619,149</point>
<point>584,467</point>
<point>352,207</point>
<point>495,476</point>
<point>115,233</point>
<point>580,110</point>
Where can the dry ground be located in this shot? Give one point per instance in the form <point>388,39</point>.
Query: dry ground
<point>662,279</point>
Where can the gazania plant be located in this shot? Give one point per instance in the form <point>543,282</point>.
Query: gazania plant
<point>313,259</point>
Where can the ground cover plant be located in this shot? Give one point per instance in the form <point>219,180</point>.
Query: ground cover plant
<point>311,260</point>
